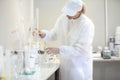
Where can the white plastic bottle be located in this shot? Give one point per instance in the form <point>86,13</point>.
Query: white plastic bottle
<point>111,44</point>
<point>117,41</point>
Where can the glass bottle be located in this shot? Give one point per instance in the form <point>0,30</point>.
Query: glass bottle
<point>106,53</point>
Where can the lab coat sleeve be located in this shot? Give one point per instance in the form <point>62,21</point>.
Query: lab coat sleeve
<point>53,33</point>
<point>82,45</point>
<point>50,35</point>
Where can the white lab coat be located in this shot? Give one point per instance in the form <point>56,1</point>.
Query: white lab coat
<point>76,38</point>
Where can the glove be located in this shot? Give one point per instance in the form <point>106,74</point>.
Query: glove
<point>39,33</point>
<point>52,50</point>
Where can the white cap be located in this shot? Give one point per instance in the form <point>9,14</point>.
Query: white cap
<point>72,7</point>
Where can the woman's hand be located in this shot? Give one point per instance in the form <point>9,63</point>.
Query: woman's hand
<point>52,50</point>
<point>39,33</point>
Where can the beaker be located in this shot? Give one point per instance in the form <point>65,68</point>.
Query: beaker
<point>17,63</point>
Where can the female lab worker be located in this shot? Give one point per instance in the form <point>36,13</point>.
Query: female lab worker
<point>75,31</point>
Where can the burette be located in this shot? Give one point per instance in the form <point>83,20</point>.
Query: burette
<point>37,25</point>
<point>21,24</point>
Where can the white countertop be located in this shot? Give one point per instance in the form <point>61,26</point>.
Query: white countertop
<point>43,72</point>
<point>113,58</point>
<point>47,71</point>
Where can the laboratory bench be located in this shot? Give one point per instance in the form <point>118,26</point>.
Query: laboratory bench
<point>103,69</point>
<point>45,72</point>
<point>49,69</point>
<point>113,58</point>
<point>106,69</point>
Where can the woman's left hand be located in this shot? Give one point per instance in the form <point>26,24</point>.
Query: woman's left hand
<point>52,50</point>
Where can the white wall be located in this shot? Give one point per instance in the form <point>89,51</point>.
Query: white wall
<point>95,11</point>
<point>49,12</point>
<point>113,15</point>
<point>9,19</point>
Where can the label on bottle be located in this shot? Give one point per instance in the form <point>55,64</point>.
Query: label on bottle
<point>106,54</point>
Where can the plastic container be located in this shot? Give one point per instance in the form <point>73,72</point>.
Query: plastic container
<point>111,43</point>
<point>106,53</point>
<point>117,41</point>
<point>117,50</point>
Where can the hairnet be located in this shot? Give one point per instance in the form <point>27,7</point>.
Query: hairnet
<point>72,7</point>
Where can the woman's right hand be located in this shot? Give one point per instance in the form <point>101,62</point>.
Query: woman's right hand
<point>39,33</point>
